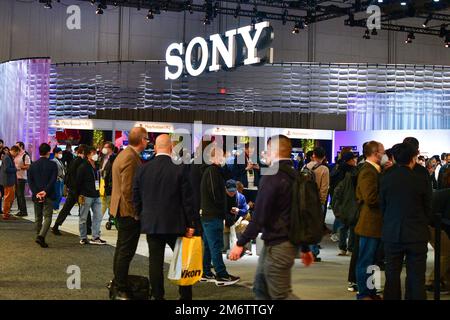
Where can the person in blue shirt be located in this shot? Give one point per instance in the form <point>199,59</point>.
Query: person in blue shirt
<point>237,207</point>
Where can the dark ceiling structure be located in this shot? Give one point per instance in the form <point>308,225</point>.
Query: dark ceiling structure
<point>301,13</point>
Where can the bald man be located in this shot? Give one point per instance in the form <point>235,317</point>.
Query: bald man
<point>272,218</point>
<point>122,208</point>
<point>162,195</point>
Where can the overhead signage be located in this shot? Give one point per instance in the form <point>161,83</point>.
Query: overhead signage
<point>244,46</point>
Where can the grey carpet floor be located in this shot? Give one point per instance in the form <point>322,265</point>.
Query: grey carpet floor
<point>28,272</point>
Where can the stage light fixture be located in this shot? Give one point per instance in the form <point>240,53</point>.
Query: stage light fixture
<point>207,20</point>
<point>296,28</point>
<point>150,15</point>
<point>92,2</point>
<point>99,10</point>
<point>425,24</point>
<point>410,37</point>
<point>366,34</point>
<point>48,4</point>
<point>374,32</point>
<point>447,41</point>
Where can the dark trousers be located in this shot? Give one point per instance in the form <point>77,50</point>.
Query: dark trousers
<point>353,261</point>
<point>71,200</point>
<point>20,195</point>
<point>43,212</point>
<point>129,230</point>
<point>416,260</point>
<point>156,248</point>
<point>366,260</point>
<point>346,232</point>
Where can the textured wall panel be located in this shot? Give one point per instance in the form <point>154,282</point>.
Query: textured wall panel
<point>373,96</point>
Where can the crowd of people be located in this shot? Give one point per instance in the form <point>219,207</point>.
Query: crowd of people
<point>382,202</point>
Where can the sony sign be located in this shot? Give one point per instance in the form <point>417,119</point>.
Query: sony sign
<point>242,46</point>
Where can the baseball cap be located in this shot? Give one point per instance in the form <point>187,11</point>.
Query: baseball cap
<point>231,185</point>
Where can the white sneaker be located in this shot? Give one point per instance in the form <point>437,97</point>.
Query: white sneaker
<point>334,237</point>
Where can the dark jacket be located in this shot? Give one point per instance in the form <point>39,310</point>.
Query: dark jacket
<point>67,158</point>
<point>162,196</point>
<point>213,202</point>
<point>42,176</point>
<point>196,173</point>
<point>8,172</point>
<point>107,174</point>
<point>338,174</point>
<point>272,209</point>
<point>405,205</point>
<point>86,178</point>
<point>71,174</point>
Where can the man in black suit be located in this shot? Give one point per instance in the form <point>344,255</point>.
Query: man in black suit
<point>163,202</point>
<point>42,179</point>
<point>406,208</point>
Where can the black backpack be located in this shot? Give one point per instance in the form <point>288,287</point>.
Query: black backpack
<point>306,225</point>
<point>344,204</point>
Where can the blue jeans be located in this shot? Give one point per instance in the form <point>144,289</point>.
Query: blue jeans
<point>59,189</point>
<point>96,205</point>
<point>367,255</point>
<point>337,225</point>
<point>212,247</point>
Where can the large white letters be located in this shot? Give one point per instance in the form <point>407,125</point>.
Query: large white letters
<point>175,61</point>
<point>204,47</point>
<point>218,47</point>
<point>197,55</point>
<point>251,43</point>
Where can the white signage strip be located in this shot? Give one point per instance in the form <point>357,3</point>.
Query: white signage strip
<point>176,51</point>
<point>301,133</point>
<point>81,124</point>
<point>233,131</point>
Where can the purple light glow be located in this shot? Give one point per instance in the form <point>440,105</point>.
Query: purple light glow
<point>24,102</point>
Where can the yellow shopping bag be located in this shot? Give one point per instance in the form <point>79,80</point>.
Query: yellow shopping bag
<point>102,187</point>
<point>186,267</point>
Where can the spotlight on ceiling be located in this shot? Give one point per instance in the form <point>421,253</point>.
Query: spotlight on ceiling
<point>150,15</point>
<point>410,37</point>
<point>48,4</point>
<point>366,34</point>
<point>447,41</point>
<point>425,24</point>
<point>99,10</point>
<point>189,6</point>
<point>93,2</point>
<point>207,20</point>
<point>296,28</point>
<point>403,3</point>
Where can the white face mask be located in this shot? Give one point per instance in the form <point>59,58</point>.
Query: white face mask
<point>384,160</point>
<point>105,151</point>
<point>95,157</point>
<point>59,156</point>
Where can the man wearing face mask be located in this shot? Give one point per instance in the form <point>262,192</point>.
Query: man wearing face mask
<point>88,185</point>
<point>106,164</point>
<point>370,221</point>
<point>59,185</point>
<point>70,180</point>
